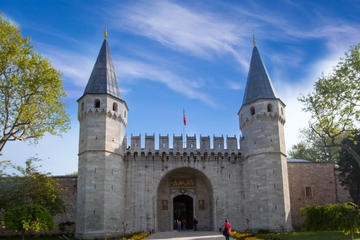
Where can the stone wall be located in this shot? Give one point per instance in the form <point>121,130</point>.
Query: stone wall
<point>224,172</point>
<point>67,220</point>
<point>101,186</point>
<point>145,171</point>
<point>313,184</point>
<point>263,147</point>
<point>319,176</point>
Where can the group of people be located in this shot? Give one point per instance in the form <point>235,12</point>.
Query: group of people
<point>182,224</point>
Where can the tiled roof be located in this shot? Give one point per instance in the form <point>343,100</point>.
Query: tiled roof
<point>103,78</point>
<point>258,85</point>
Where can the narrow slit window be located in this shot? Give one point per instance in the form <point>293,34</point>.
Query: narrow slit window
<point>97,103</point>
<point>308,192</point>
<point>115,107</point>
<point>252,111</point>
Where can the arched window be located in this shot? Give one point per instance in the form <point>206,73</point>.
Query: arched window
<point>97,103</point>
<point>124,114</point>
<point>115,107</point>
<point>82,106</point>
<point>269,108</point>
<point>252,110</point>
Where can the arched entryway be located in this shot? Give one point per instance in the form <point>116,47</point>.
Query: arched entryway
<point>184,193</point>
<point>183,209</point>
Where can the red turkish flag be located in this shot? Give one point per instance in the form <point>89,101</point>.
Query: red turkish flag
<point>184,117</point>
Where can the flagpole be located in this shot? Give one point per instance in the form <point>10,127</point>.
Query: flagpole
<point>184,124</point>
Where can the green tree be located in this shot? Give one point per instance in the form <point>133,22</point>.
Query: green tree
<point>312,148</point>
<point>3,165</point>
<point>349,169</point>
<point>75,174</point>
<point>31,90</point>
<point>30,217</point>
<point>332,217</point>
<point>335,103</point>
<point>31,186</point>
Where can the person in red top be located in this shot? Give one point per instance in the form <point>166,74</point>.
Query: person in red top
<point>227,229</point>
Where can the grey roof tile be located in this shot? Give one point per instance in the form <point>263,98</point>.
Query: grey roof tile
<point>258,85</point>
<point>103,78</point>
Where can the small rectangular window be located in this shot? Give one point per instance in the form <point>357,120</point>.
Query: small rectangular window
<point>201,204</point>
<point>308,192</point>
<point>164,205</point>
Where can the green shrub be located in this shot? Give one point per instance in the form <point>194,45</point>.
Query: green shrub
<point>332,217</point>
<point>30,217</point>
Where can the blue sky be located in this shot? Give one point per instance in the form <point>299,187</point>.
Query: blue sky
<point>171,55</point>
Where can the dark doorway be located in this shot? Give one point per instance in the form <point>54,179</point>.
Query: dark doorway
<point>184,211</point>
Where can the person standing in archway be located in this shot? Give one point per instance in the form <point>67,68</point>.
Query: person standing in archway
<point>227,230</point>
<point>179,225</point>
<point>195,223</point>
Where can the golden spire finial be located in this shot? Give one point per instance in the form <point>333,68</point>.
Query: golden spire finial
<point>105,33</point>
<point>254,40</point>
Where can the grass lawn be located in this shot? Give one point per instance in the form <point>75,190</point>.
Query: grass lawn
<point>313,236</point>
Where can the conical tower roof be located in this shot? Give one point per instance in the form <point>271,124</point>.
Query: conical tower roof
<point>103,78</point>
<point>258,85</point>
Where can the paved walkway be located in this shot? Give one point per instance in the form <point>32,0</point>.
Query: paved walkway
<point>187,235</point>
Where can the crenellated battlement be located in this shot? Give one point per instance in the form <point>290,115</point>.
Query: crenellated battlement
<point>179,144</point>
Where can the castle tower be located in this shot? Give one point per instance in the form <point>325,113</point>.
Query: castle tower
<point>103,116</point>
<point>262,118</point>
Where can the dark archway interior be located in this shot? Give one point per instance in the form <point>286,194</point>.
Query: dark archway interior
<point>184,211</point>
<point>189,198</point>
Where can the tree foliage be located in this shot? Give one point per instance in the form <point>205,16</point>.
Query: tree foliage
<point>31,186</point>
<point>332,217</point>
<point>349,169</point>
<point>30,217</point>
<point>335,103</point>
<point>31,90</point>
<point>311,147</point>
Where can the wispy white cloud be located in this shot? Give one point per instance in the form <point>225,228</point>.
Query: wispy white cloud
<point>145,71</point>
<point>337,34</point>
<point>75,66</point>
<point>183,29</point>
<point>296,118</point>
<point>206,34</point>
<point>77,69</point>
<point>235,85</point>
<point>289,92</point>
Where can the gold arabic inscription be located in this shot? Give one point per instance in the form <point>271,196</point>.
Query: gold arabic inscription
<point>182,182</point>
